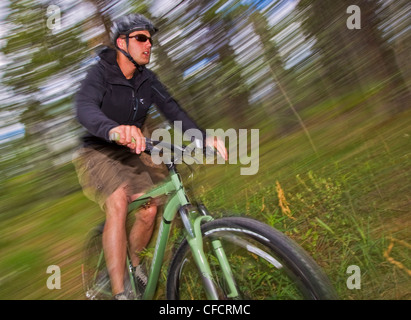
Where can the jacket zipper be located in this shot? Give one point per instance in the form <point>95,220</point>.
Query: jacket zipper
<point>135,106</point>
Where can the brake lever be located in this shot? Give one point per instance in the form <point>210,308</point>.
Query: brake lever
<point>210,151</point>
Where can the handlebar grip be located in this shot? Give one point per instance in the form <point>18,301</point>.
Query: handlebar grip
<point>115,136</point>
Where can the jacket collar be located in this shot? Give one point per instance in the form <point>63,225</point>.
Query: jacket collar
<point>114,74</point>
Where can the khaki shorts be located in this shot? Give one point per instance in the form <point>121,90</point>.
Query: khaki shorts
<point>102,171</point>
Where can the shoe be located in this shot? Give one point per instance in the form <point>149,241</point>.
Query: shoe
<point>121,296</point>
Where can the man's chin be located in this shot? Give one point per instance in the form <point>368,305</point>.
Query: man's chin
<point>143,62</point>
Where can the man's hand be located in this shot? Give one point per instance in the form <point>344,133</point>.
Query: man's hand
<point>131,137</point>
<point>216,142</point>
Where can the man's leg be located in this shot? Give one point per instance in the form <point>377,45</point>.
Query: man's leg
<point>141,231</point>
<point>115,239</point>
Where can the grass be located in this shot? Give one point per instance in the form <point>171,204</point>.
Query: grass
<point>343,205</point>
<point>346,205</point>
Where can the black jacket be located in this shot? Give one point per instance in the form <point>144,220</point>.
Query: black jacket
<point>107,99</point>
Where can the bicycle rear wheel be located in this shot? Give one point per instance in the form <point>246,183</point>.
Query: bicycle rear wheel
<point>96,280</point>
<point>265,263</point>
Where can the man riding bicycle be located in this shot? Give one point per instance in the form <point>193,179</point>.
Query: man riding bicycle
<point>114,98</point>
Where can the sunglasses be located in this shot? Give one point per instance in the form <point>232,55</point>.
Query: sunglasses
<point>142,38</point>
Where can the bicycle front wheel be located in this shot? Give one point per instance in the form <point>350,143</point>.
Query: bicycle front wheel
<point>264,262</point>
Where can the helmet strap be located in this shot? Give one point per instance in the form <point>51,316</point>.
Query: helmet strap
<point>128,56</point>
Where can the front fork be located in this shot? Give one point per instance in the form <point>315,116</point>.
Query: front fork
<point>195,241</point>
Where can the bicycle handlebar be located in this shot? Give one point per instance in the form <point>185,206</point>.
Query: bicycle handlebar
<point>151,144</point>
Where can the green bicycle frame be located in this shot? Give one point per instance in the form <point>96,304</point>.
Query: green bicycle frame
<point>178,199</point>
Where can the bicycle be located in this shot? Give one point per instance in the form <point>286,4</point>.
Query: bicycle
<point>225,258</point>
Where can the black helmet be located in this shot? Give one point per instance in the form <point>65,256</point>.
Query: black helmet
<point>128,24</point>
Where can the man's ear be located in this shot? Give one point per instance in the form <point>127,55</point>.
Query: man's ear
<point>121,43</point>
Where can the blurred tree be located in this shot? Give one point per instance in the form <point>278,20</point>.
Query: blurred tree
<point>226,92</point>
<point>358,59</point>
<point>383,62</point>
<point>100,18</point>
<point>324,21</point>
<point>283,78</point>
<point>43,58</point>
<point>396,24</point>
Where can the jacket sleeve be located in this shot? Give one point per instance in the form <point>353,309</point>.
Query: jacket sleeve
<point>169,107</point>
<point>88,102</point>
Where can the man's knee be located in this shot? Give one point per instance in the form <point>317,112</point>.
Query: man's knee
<point>117,203</point>
<point>147,215</point>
